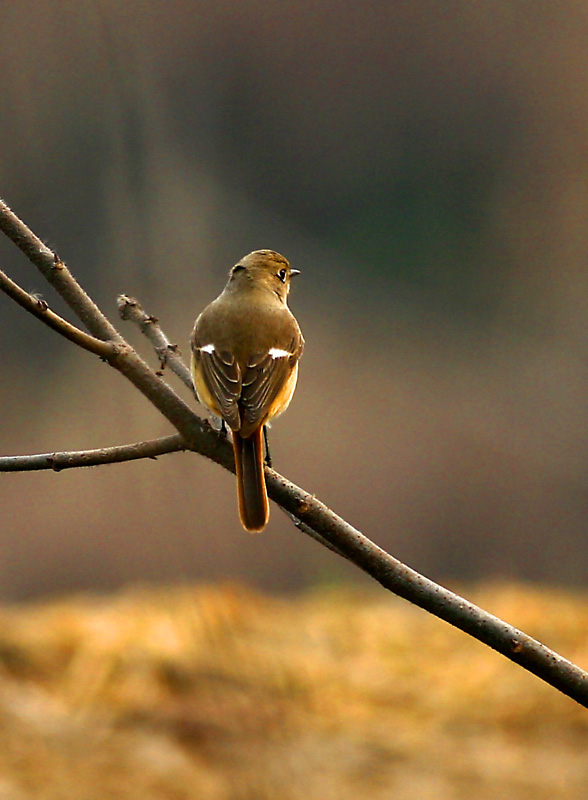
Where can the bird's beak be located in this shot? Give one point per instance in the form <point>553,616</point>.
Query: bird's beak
<point>294,272</point>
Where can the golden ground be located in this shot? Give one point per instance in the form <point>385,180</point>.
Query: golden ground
<point>219,693</point>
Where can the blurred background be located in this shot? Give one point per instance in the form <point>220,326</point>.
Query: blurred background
<point>423,164</point>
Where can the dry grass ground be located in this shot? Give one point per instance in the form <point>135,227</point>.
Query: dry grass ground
<point>218,693</point>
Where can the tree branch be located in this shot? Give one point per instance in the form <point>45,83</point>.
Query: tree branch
<point>168,354</point>
<point>197,433</point>
<point>41,310</point>
<point>405,582</point>
<point>93,458</point>
<point>199,436</point>
<point>313,534</point>
<point>56,273</point>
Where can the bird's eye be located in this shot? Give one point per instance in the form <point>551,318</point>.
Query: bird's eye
<point>282,275</point>
<point>237,268</point>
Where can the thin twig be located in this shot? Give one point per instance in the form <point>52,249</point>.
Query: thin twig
<point>41,310</point>
<point>168,353</point>
<point>93,458</point>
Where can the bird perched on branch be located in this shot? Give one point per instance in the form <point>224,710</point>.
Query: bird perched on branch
<point>245,350</point>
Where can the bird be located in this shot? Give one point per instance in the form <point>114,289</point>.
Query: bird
<point>245,348</point>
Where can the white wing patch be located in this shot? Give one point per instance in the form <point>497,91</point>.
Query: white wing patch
<point>208,348</point>
<point>275,352</point>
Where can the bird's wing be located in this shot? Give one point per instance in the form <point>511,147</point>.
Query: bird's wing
<point>222,377</point>
<point>264,377</point>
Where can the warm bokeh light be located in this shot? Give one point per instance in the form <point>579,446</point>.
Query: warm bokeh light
<point>218,692</point>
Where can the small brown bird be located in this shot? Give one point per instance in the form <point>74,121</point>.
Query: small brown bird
<point>245,350</point>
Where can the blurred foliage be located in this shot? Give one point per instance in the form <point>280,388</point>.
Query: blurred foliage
<point>218,693</point>
<point>423,232</point>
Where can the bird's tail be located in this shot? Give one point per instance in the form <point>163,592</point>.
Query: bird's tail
<point>251,491</point>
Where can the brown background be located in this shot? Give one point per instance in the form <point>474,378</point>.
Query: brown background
<point>423,164</point>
